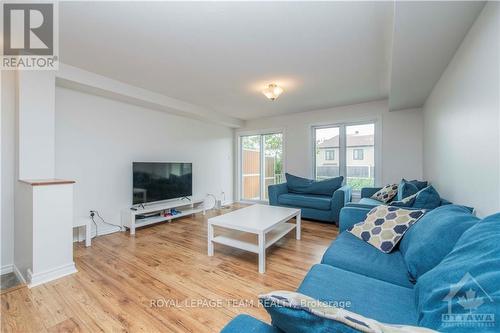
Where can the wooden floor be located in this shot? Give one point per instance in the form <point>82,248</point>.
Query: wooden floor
<point>162,281</point>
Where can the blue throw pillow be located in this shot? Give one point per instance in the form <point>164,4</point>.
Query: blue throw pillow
<point>462,293</point>
<point>406,202</point>
<point>406,189</point>
<point>419,184</point>
<point>308,186</point>
<point>426,243</point>
<point>428,198</point>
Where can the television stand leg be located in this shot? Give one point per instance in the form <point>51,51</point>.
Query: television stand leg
<point>132,229</point>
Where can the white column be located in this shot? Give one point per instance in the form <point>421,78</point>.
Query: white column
<point>44,232</point>
<point>36,124</point>
<point>43,248</point>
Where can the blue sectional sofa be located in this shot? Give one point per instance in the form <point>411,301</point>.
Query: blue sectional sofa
<point>367,201</point>
<point>358,210</point>
<point>422,283</point>
<point>321,207</point>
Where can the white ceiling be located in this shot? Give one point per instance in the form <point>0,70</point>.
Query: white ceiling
<point>220,55</point>
<point>426,36</point>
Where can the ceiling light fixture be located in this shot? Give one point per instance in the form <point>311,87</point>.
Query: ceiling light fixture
<point>272,91</point>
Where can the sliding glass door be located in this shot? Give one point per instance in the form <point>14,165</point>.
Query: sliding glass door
<point>250,167</point>
<point>261,164</point>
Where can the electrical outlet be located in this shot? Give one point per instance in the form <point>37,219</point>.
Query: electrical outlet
<point>92,213</point>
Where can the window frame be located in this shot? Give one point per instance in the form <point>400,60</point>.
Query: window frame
<point>343,148</point>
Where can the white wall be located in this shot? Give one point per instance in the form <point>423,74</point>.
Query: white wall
<point>461,120</point>
<point>400,139</point>
<point>97,139</point>
<point>36,124</point>
<point>8,173</point>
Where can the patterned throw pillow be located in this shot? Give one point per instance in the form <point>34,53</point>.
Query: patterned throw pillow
<point>384,226</point>
<point>386,193</point>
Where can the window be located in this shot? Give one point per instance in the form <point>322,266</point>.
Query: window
<point>357,154</point>
<point>352,153</point>
<point>261,164</point>
<point>327,140</point>
<point>329,155</point>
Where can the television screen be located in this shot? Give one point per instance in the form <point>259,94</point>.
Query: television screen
<point>156,181</point>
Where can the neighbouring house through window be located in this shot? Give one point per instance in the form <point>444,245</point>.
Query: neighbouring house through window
<point>357,154</point>
<point>345,150</point>
<point>329,155</point>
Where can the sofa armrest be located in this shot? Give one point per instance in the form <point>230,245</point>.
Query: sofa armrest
<point>367,192</point>
<point>340,198</point>
<point>274,191</point>
<point>350,215</point>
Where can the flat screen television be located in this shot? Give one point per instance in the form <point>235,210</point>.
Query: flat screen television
<point>157,181</point>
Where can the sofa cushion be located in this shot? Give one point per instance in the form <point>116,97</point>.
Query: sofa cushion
<point>384,226</point>
<point>369,202</point>
<point>406,189</point>
<point>433,237</point>
<point>308,186</point>
<point>246,323</point>
<point>352,254</point>
<point>466,282</point>
<point>428,198</point>
<point>306,200</point>
<point>380,300</point>
<point>386,193</point>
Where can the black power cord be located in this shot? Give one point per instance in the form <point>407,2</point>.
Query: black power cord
<point>95,224</point>
<point>95,212</point>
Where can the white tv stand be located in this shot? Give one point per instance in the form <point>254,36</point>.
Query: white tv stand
<point>185,206</point>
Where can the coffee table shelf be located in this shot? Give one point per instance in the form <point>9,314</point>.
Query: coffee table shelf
<point>248,242</point>
<point>269,223</point>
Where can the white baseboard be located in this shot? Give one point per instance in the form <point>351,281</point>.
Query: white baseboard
<point>53,274</point>
<point>19,276</point>
<point>6,269</point>
<point>104,229</point>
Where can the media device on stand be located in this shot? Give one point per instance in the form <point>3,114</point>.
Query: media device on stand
<point>161,192</point>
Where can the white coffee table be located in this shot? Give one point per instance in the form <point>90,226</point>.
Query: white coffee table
<point>269,223</point>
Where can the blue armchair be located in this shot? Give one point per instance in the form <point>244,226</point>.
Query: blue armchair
<point>313,206</point>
